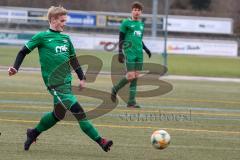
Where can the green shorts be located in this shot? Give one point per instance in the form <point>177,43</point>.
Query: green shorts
<point>134,63</point>
<point>64,92</point>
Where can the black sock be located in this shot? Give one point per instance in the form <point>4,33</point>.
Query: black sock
<point>36,133</point>
<point>99,140</point>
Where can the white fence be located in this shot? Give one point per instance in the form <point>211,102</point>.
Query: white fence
<point>110,43</point>
<point>200,24</point>
<point>174,45</point>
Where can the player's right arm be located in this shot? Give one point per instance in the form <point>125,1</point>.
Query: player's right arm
<point>120,51</point>
<point>19,59</point>
<point>29,46</point>
<point>122,32</point>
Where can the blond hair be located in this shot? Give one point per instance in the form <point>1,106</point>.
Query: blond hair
<point>54,12</point>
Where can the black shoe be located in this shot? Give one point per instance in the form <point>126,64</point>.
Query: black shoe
<point>113,95</point>
<point>105,144</point>
<point>32,135</point>
<point>133,106</point>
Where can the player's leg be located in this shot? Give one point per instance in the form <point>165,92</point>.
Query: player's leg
<point>88,128</point>
<point>129,63</point>
<point>132,93</point>
<point>69,101</point>
<point>117,87</point>
<point>133,85</point>
<point>47,121</point>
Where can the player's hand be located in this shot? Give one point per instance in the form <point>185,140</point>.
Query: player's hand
<point>149,53</point>
<point>121,58</point>
<point>82,84</point>
<point>12,71</point>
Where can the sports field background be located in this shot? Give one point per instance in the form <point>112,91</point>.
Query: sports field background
<point>212,66</point>
<point>206,123</point>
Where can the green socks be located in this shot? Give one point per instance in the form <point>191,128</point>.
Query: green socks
<point>120,84</point>
<point>46,122</point>
<point>88,128</point>
<point>132,92</point>
<point>132,89</point>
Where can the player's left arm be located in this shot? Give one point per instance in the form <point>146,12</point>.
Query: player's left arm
<point>76,66</point>
<point>147,50</point>
<point>78,69</point>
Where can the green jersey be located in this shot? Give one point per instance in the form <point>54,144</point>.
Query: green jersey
<point>55,50</point>
<point>133,34</point>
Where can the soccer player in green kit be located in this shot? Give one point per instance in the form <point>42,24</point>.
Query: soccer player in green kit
<point>55,49</point>
<point>131,33</point>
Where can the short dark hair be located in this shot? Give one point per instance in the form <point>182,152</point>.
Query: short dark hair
<point>137,5</point>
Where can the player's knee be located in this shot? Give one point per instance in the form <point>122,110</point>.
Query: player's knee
<point>78,111</point>
<point>59,112</point>
<point>136,74</point>
<point>130,76</point>
<point>129,79</point>
<point>55,117</point>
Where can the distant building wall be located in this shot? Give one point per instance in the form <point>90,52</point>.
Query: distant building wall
<point>218,8</point>
<point>88,5</point>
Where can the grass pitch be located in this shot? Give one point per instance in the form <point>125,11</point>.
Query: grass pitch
<point>203,123</point>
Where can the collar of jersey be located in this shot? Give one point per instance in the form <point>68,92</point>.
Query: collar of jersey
<point>53,30</point>
<point>134,20</point>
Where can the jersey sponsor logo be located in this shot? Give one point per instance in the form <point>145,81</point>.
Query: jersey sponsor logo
<point>60,49</point>
<point>138,33</point>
